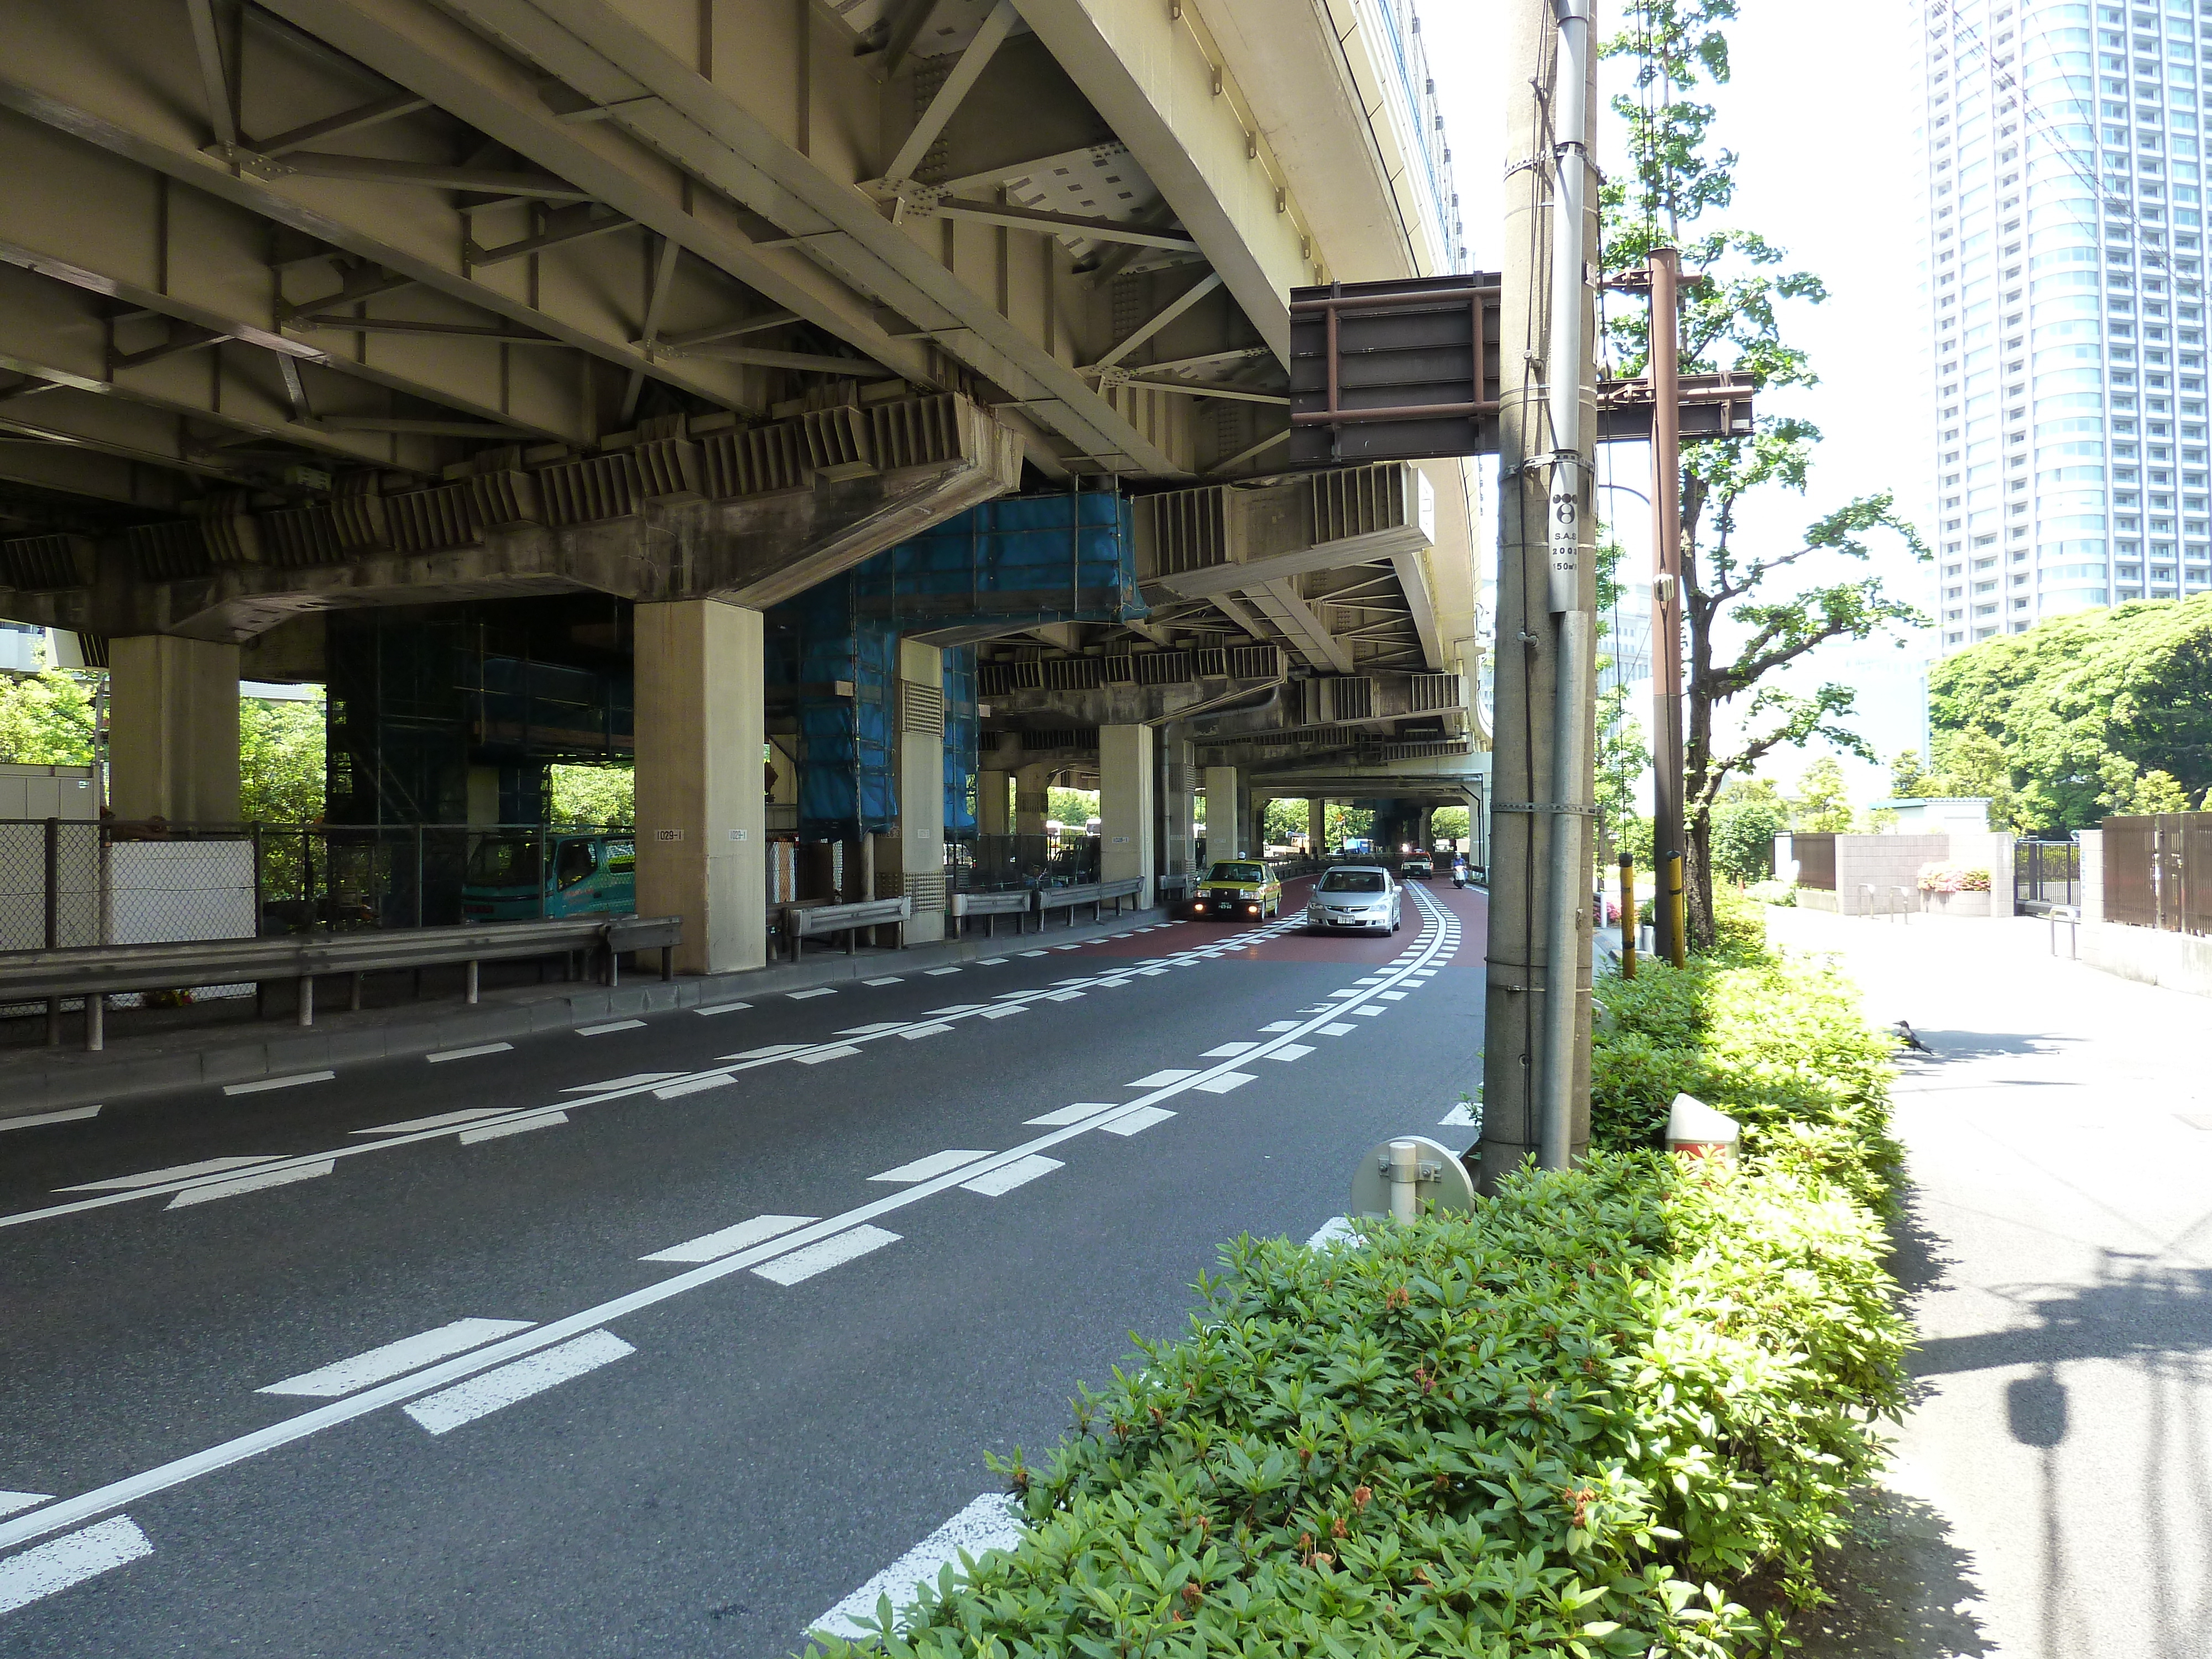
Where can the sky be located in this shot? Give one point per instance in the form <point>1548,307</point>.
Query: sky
<point>1817,110</point>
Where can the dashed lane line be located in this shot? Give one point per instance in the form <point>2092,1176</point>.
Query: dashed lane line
<point>482,1049</point>
<point>36,1574</point>
<point>71,1115</point>
<point>819,1258</point>
<point>728,1241</point>
<point>341,1377</point>
<point>65,1513</point>
<point>259,1181</point>
<point>501,1129</point>
<point>611,1025</point>
<point>262,1085</point>
<point>480,1397</point>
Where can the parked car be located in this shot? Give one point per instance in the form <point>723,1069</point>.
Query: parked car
<point>1243,890</point>
<point>1355,897</point>
<point>591,875</point>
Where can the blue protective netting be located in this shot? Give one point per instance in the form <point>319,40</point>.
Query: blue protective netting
<point>1005,565</point>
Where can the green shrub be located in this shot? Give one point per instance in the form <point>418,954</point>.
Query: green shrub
<point>1564,1424</point>
<point>1771,892</point>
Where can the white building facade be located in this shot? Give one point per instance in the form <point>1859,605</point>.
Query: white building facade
<point>2060,182</point>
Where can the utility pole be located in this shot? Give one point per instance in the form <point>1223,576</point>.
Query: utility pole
<point>1536,1055</point>
<point>1668,843</point>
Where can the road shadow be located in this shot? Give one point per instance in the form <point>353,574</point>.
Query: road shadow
<point>1952,1047</point>
<point>1902,1588</point>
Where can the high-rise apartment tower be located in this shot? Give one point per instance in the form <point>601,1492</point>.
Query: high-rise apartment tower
<point>2060,165</point>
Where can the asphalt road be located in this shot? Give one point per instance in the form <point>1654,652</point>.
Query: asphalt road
<point>897,1224</point>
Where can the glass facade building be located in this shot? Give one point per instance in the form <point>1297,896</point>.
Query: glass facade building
<point>2060,174</point>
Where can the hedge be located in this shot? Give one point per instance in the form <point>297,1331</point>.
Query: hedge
<point>1576,1421</point>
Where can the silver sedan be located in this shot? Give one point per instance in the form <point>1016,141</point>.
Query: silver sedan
<point>1360,897</point>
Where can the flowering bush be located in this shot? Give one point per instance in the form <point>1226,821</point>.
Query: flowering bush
<point>1954,879</point>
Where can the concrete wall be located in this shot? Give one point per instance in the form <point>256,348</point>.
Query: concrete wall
<point>2178,961</point>
<point>2093,875</point>
<point>1886,863</point>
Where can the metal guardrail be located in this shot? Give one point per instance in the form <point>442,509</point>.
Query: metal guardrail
<point>94,972</point>
<point>1017,903</point>
<point>1094,894</point>
<point>821,920</point>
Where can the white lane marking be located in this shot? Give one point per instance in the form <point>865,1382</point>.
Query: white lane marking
<point>1007,1176</point>
<point>1075,1114</point>
<point>713,1247</point>
<point>1075,981</point>
<point>175,1172</point>
<point>1066,947</point>
<point>13,1502</point>
<point>1374,979</point>
<point>1460,1117</point>
<point>1136,1122</point>
<point>991,1523</point>
<point>268,1082</point>
<point>1151,972</point>
<point>722,1008</point>
<point>74,1115</point>
<point>1394,996</point>
<point>611,1025</point>
<point>1159,1079</point>
<point>937,1030</point>
<point>1059,996</point>
<point>56,1516</point>
<point>1231,1050</point>
<point>923,1169</point>
<point>697,1086</point>
<point>442,1120</point>
<point>1424,973</point>
<point>1333,1230</point>
<point>1280,1025</point>
<point>512,1127</point>
<point>988,962</point>
<point>469,1054</point>
<point>1001,1014</point>
<point>250,1183</point>
<point>875,1030</point>
<point>888,979</point>
<point>769,1053</point>
<point>1338,1029</point>
<point>842,1051</point>
<point>1370,1013</point>
<point>343,1377</point>
<point>940,972</point>
<point>818,991</point>
<point>1032,953</point>
<point>819,1258</point>
<point>1224,1083</point>
<point>36,1574</point>
<point>634,1080</point>
<point>1291,1051</point>
<point>480,1397</point>
<point>951,1009</point>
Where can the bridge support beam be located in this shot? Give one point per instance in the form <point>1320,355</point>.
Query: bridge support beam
<point>1032,799</point>
<point>921,788</point>
<point>1316,827</point>
<point>1177,804</point>
<point>173,729</point>
<point>1226,814</point>
<point>1124,806</point>
<point>992,817</point>
<point>701,813</point>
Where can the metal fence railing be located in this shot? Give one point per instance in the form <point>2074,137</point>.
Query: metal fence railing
<point>2045,873</point>
<point>991,864</point>
<point>82,882</point>
<point>1815,852</point>
<point>2158,871</point>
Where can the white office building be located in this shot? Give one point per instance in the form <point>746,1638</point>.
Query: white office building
<point>2063,285</point>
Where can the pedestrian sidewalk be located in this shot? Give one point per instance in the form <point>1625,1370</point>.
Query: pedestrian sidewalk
<point>182,1055</point>
<point>2052,1494</point>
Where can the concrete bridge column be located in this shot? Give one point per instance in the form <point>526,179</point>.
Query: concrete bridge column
<point>1425,838</point>
<point>1226,814</point>
<point>1124,806</point>
<point>172,729</point>
<point>1177,818</point>
<point>992,817</point>
<point>702,812</point>
<point>1032,799</point>
<point>1317,826</point>
<point>921,789</point>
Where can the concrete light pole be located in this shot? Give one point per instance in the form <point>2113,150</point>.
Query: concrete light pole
<point>1536,1056</point>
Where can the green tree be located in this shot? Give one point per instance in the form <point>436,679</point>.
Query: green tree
<point>1073,808</point>
<point>281,748</point>
<point>1449,824</point>
<point>2078,708</point>
<point>1746,618</point>
<point>2157,792</point>
<point>594,795</point>
<point>1911,779</point>
<point>46,720</point>
<point>1821,803</point>
<point>1746,818</point>
<point>1973,764</point>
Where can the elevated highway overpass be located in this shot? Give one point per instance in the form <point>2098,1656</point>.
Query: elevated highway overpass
<point>630,327</point>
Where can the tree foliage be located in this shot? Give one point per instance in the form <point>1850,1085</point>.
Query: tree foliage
<point>2068,721</point>
<point>1747,614</point>
<point>282,750</point>
<point>1821,803</point>
<point>594,794</point>
<point>46,720</point>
